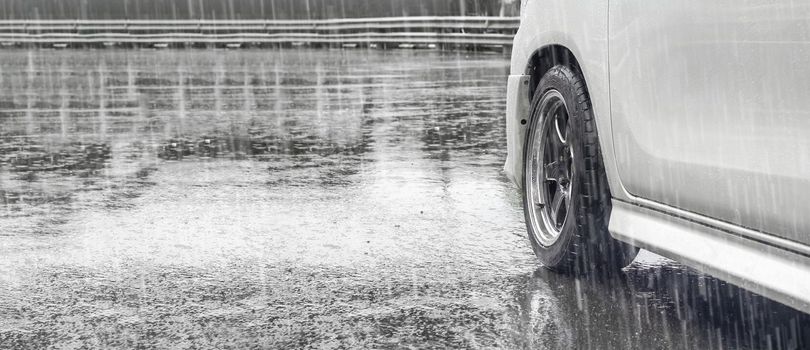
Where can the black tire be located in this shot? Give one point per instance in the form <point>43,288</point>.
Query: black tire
<point>583,244</point>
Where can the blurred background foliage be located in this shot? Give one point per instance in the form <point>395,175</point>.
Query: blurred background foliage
<point>250,9</point>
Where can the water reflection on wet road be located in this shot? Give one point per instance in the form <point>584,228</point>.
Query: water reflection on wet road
<point>291,199</point>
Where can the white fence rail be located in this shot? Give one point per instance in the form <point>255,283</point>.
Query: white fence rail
<point>496,31</point>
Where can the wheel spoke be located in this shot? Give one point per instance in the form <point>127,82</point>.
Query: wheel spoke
<point>554,171</point>
<point>557,206</point>
<point>566,190</point>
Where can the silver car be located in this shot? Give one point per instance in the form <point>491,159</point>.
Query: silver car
<point>681,127</point>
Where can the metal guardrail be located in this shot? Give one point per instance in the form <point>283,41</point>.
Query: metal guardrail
<point>498,31</point>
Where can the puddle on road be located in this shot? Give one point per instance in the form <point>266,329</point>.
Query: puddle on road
<point>296,199</point>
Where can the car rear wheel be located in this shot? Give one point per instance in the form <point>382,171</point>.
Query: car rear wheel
<point>566,199</point>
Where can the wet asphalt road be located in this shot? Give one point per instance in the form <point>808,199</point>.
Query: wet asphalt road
<point>302,199</point>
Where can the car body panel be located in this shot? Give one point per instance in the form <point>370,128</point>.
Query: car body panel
<point>709,244</point>
<point>709,108</point>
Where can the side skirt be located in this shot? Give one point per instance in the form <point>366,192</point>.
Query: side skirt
<point>764,269</point>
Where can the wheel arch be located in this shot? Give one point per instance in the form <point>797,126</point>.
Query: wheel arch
<point>548,36</point>
<point>535,61</point>
<point>546,57</point>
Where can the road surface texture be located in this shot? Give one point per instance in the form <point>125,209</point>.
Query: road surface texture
<point>302,199</point>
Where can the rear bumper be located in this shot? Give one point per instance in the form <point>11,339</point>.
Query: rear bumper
<point>517,114</point>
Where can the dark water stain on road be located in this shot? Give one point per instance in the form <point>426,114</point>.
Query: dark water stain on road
<point>302,199</point>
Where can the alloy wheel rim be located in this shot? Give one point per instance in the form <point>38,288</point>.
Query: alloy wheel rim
<point>550,170</point>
